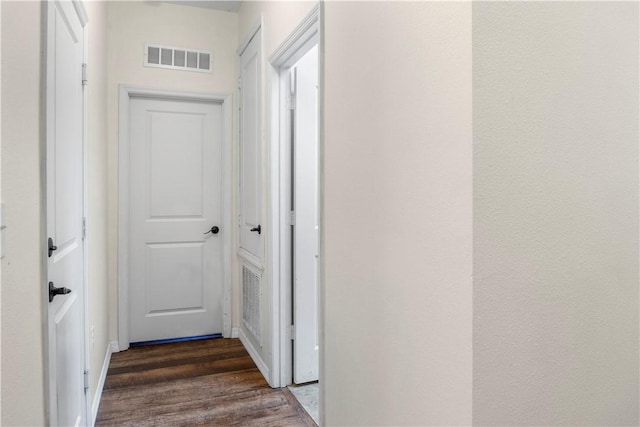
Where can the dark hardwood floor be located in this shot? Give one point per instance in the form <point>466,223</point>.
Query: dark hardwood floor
<point>210,382</point>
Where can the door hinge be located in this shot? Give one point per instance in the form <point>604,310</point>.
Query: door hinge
<point>84,228</point>
<point>292,218</point>
<point>292,332</point>
<point>291,102</point>
<point>84,75</point>
<point>86,381</point>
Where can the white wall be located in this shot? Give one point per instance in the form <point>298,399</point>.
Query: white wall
<point>131,25</point>
<point>97,194</point>
<point>280,18</point>
<point>23,302</point>
<point>397,214</point>
<point>555,116</point>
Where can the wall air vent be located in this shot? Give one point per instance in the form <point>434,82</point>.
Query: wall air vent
<point>178,58</point>
<point>251,298</point>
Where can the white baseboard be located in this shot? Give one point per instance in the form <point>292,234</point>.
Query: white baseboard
<point>115,347</point>
<point>235,332</point>
<point>255,355</point>
<point>103,376</point>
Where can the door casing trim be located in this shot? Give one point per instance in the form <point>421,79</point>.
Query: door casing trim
<point>295,46</point>
<point>126,93</point>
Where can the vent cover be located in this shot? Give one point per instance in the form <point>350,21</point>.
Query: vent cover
<point>251,302</point>
<point>178,58</point>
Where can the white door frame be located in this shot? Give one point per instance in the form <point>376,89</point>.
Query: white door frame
<point>295,46</point>
<point>84,19</point>
<point>49,370</point>
<point>126,93</point>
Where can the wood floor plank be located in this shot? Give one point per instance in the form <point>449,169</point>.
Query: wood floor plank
<point>154,375</point>
<point>173,351</point>
<point>199,383</point>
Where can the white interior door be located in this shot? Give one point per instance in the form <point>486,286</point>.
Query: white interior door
<point>66,314</point>
<point>305,231</point>
<point>251,180</point>
<point>175,219</point>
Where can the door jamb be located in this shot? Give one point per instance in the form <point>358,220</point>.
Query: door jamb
<point>126,93</point>
<point>295,46</point>
<point>85,212</point>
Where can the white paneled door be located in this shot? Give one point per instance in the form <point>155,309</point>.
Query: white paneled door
<point>304,78</point>
<point>175,219</point>
<point>65,255</point>
<point>251,240</point>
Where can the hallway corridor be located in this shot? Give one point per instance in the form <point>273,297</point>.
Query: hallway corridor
<point>208,382</point>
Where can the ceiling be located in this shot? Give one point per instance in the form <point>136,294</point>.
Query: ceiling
<point>226,5</point>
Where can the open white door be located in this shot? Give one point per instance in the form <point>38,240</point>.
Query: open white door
<point>66,313</point>
<point>304,79</point>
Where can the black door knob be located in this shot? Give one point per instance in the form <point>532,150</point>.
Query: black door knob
<point>258,229</point>
<point>214,230</point>
<point>53,291</point>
